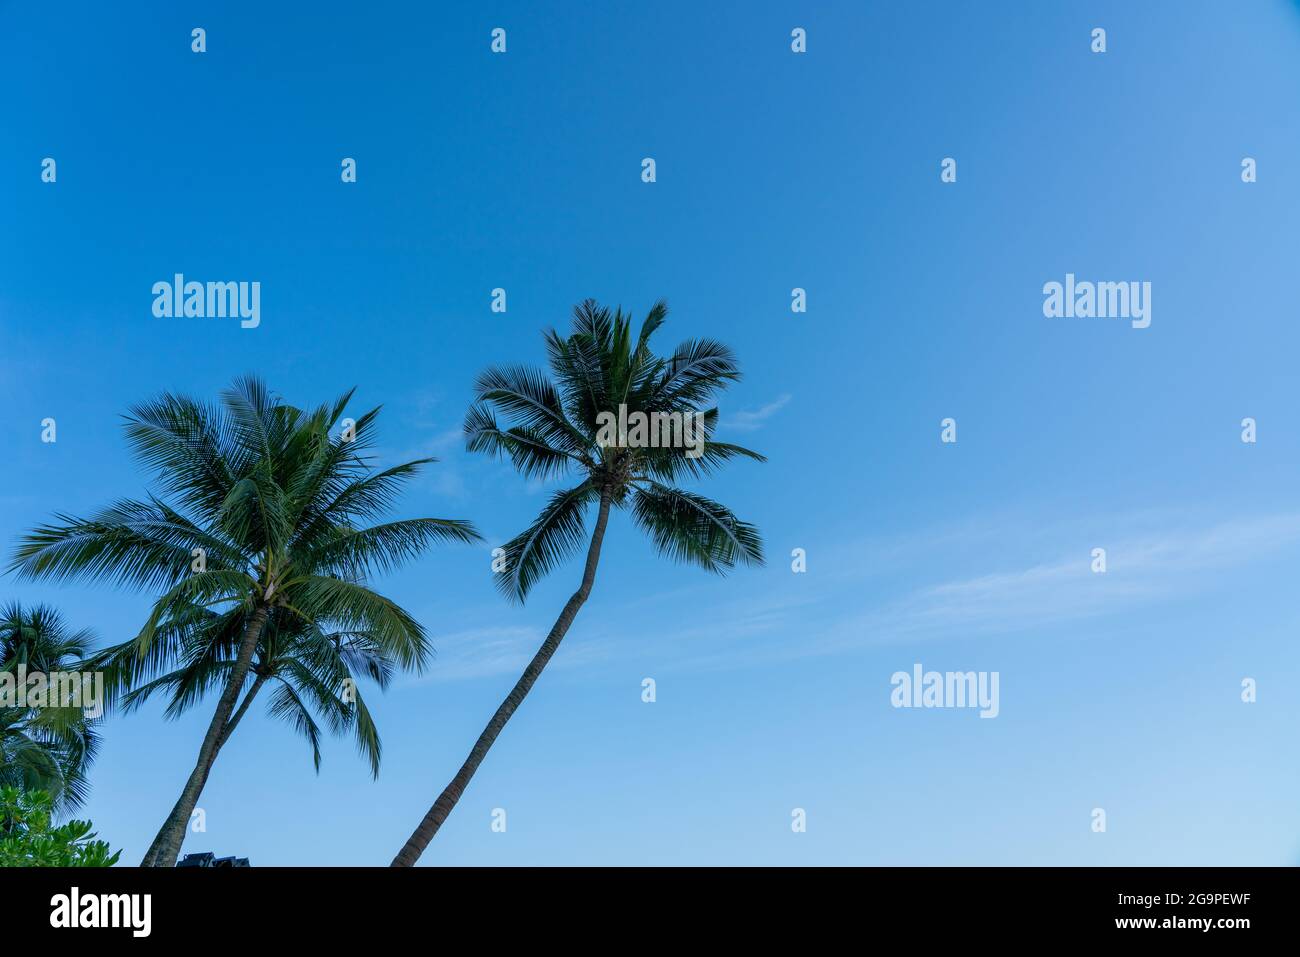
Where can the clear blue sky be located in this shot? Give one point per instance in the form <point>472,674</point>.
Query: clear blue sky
<point>775,170</point>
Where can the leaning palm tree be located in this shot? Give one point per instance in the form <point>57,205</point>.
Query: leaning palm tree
<point>259,511</point>
<point>601,373</point>
<point>47,748</point>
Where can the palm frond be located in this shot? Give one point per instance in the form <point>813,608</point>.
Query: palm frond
<point>350,606</point>
<point>552,537</point>
<point>287,706</point>
<point>355,553</point>
<point>527,448</point>
<point>691,528</point>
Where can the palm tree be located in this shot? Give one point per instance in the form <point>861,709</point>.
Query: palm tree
<point>307,669</point>
<point>560,429</point>
<point>260,513</point>
<point>46,749</point>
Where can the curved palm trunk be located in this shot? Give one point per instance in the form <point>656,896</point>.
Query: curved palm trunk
<point>418,841</point>
<point>167,845</point>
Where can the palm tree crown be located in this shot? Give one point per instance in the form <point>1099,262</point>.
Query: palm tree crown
<point>558,430</point>
<point>265,511</point>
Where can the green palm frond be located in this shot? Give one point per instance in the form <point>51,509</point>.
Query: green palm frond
<point>526,447</point>
<point>358,499</point>
<point>352,606</point>
<point>383,548</point>
<point>101,548</point>
<point>696,371</point>
<point>189,448</point>
<point>286,705</point>
<point>554,535</point>
<point>530,398</point>
<point>691,528</point>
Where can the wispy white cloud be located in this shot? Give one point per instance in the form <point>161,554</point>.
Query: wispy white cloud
<point>842,608</point>
<point>1141,570</point>
<point>420,430</point>
<point>484,652</point>
<point>751,420</point>
<point>477,652</point>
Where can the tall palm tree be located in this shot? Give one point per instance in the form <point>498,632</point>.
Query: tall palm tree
<point>261,512</point>
<point>51,748</point>
<point>558,430</point>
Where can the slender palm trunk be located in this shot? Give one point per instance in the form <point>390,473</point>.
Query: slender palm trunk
<point>243,709</point>
<point>154,851</point>
<point>418,841</point>
<point>167,845</point>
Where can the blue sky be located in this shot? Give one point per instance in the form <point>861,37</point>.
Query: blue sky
<point>774,170</point>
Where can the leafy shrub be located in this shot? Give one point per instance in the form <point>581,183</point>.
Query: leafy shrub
<point>28,839</point>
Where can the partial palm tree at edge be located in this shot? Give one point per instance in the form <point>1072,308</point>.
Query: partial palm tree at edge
<point>558,430</point>
<point>47,748</point>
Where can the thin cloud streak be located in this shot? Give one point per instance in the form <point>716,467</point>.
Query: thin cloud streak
<point>753,420</point>
<point>778,624</point>
<point>1139,572</point>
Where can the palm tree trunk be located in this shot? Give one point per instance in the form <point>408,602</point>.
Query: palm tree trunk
<point>243,709</point>
<point>154,851</point>
<point>419,840</point>
<point>167,845</point>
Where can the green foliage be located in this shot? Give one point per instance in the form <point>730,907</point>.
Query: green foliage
<point>598,367</point>
<point>302,668</point>
<point>28,837</point>
<point>48,749</point>
<point>260,510</point>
